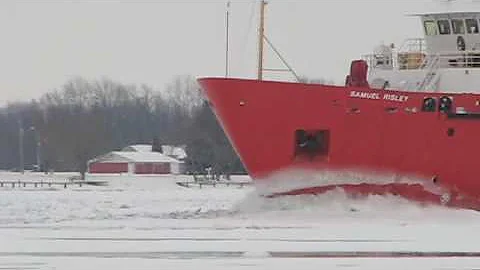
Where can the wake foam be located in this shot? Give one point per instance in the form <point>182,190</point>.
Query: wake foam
<point>333,203</point>
<point>288,180</point>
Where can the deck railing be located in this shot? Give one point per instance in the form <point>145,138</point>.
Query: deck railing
<point>421,60</point>
<point>413,45</point>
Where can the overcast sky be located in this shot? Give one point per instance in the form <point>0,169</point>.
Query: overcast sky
<point>44,43</point>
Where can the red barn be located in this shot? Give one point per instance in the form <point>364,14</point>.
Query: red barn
<point>135,163</point>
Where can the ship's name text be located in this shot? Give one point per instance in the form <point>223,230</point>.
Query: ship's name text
<point>370,95</point>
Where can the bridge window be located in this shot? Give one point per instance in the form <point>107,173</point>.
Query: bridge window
<point>472,26</point>
<point>431,28</point>
<point>458,26</point>
<point>429,104</point>
<point>444,27</point>
<point>445,104</point>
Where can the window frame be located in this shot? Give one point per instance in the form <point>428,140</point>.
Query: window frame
<point>447,25</point>
<point>458,30</point>
<point>469,28</point>
<point>433,30</point>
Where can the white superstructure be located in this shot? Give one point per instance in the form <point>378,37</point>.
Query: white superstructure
<point>446,59</point>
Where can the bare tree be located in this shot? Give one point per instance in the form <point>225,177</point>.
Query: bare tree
<point>85,118</point>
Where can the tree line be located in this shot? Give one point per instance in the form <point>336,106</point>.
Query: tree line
<point>68,126</point>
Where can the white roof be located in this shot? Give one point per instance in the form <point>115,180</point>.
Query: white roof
<point>169,150</point>
<point>448,7</point>
<point>138,148</point>
<point>176,151</point>
<point>136,157</point>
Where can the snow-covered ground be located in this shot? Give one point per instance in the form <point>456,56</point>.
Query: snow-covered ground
<point>151,223</point>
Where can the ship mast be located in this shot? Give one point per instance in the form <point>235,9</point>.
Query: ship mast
<point>261,34</point>
<point>261,38</point>
<point>226,39</point>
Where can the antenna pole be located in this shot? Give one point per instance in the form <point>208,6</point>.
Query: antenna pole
<point>20,145</point>
<point>227,39</point>
<point>261,35</point>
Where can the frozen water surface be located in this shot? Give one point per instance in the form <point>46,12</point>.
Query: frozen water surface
<point>151,223</point>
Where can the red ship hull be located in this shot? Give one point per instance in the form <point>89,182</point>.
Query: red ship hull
<point>366,141</point>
